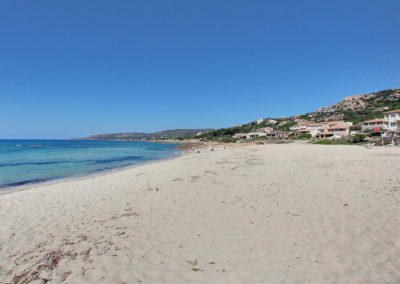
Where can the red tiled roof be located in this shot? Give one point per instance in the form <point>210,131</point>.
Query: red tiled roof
<point>338,127</point>
<point>392,111</point>
<point>373,120</point>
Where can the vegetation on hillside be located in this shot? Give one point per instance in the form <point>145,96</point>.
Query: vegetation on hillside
<point>179,134</point>
<point>227,132</point>
<point>360,107</point>
<point>354,109</point>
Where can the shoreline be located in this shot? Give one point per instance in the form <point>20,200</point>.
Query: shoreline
<point>51,181</point>
<point>181,151</point>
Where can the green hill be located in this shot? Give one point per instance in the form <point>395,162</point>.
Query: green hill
<point>165,134</point>
<point>355,108</point>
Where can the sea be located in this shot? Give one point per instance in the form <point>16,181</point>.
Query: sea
<point>25,162</point>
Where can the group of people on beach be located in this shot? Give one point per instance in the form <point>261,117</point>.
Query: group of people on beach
<point>194,150</point>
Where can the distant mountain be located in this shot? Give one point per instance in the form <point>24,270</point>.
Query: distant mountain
<point>147,136</point>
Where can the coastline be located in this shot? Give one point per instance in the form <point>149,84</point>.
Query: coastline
<point>181,151</point>
<point>35,184</point>
<point>271,213</point>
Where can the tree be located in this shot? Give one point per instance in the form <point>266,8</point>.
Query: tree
<point>359,138</point>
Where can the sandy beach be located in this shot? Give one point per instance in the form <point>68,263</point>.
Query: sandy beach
<point>291,213</point>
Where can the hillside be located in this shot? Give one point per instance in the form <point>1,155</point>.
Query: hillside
<point>358,108</point>
<point>165,134</point>
<point>355,108</point>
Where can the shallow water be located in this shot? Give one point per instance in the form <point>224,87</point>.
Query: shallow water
<point>29,161</point>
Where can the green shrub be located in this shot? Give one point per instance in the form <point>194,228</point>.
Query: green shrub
<point>261,138</point>
<point>324,142</point>
<point>359,138</point>
<point>303,136</point>
<point>229,140</point>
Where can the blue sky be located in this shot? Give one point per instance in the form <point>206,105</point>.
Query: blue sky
<point>75,68</point>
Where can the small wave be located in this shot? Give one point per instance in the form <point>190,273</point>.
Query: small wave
<point>25,182</point>
<point>128,158</point>
<point>32,163</point>
<point>29,146</point>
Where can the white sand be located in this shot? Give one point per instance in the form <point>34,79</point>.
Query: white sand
<point>294,213</point>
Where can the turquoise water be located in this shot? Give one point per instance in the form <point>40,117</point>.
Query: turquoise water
<point>29,161</point>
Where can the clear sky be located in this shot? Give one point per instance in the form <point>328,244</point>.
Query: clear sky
<point>74,68</point>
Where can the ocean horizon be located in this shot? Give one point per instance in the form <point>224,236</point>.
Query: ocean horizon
<point>28,161</point>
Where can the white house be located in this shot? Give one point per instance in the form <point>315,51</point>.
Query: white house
<point>253,135</point>
<point>335,129</point>
<point>279,134</point>
<point>325,109</point>
<point>264,129</point>
<point>370,125</point>
<point>240,135</point>
<point>339,131</point>
<point>392,119</point>
<point>323,129</point>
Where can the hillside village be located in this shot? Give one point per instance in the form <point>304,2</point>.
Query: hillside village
<point>376,115</point>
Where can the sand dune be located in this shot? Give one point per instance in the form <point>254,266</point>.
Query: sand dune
<point>295,213</point>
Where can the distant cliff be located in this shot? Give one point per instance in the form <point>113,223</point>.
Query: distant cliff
<point>146,136</point>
